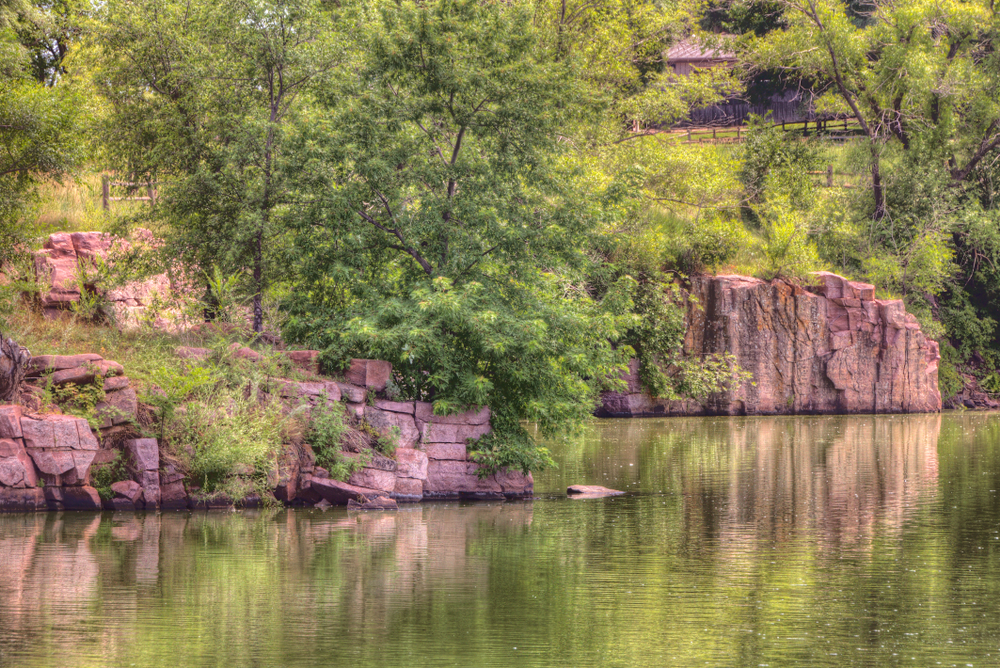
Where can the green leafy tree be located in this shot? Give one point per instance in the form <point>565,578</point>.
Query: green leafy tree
<point>448,233</point>
<point>202,97</point>
<point>38,134</point>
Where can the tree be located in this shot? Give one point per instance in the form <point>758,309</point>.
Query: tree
<point>202,98</point>
<point>921,73</point>
<point>447,232</point>
<point>38,135</point>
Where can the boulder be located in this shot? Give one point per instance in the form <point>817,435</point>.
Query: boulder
<point>408,490</point>
<point>591,492</point>
<point>145,453</point>
<point>118,407</point>
<point>310,390</point>
<point>377,479</point>
<point>243,353</point>
<point>383,421</point>
<point>378,503</point>
<point>372,374</point>
<point>450,479</point>
<point>352,393</point>
<point>10,422</point>
<point>80,498</point>
<point>395,406</point>
<point>173,496</point>
<point>82,375</point>
<point>59,443</point>
<point>116,383</point>
<point>47,363</point>
<point>11,472</point>
<point>307,360</point>
<point>411,463</point>
<point>127,489</point>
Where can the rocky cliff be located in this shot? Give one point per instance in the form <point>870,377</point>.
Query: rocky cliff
<point>828,348</point>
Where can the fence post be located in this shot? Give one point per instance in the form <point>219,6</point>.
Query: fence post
<point>689,135</point>
<point>829,176</point>
<point>737,134</point>
<point>105,192</point>
<point>713,134</point>
<point>151,193</point>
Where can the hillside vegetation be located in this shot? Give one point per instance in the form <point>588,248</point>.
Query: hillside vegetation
<point>482,193</point>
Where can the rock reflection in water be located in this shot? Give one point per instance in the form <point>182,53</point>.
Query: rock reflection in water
<point>249,584</point>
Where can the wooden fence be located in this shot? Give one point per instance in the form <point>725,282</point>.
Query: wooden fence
<point>107,199</point>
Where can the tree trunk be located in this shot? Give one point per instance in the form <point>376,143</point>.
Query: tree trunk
<point>13,365</point>
<point>878,192</point>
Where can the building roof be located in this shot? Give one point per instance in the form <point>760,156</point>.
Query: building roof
<point>691,49</point>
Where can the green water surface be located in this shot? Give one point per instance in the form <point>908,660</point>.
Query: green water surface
<point>807,541</point>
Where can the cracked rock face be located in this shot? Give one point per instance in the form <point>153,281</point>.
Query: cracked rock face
<point>829,348</point>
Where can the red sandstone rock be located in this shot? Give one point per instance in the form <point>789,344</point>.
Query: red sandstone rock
<point>307,360</point>
<point>411,463</point>
<point>832,350</point>
<point>432,432</point>
<point>11,472</point>
<point>22,500</point>
<point>455,479</point>
<point>383,421</point>
<point>408,490</point>
<point>118,407</point>
<point>43,363</point>
<point>145,453</point>
<point>59,443</point>
<point>243,353</point>
<point>373,374</point>
<point>591,491</point>
<point>425,412</point>
<point>310,390</point>
<point>395,406</point>
<point>80,498</point>
<point>87,373</point>
<point>173,496</point>
<point>352,393</point>
<point>378,503</point>
<point>115,383</point>
<point>439,451</point>
<point>339,493</point>
<point>10,422</point>
<point>383,481</point>
<point>127,489</point>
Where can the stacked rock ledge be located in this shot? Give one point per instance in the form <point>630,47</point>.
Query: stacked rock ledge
<point>829,349</point>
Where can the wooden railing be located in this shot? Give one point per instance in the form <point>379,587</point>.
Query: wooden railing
<point>107,199</point>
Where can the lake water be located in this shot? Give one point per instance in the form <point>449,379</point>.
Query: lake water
<point>805,541</point>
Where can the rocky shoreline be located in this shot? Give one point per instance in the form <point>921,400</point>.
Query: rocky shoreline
<point>830,348</point>
<point>47,458</point>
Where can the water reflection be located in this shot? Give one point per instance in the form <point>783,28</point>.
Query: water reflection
<point>783,541</point>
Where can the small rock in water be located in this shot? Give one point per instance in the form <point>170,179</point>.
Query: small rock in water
<point>323,504</point>
<point>378,503</point>
<point>590,492</point>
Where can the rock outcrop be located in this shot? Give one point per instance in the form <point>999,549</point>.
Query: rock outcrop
<point>47,459</point>
<point>829,348</point>
<point>66,262</point>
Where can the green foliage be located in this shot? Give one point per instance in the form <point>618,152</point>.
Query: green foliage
<point>105,475</point>
<point>775,162</point>
<point>78,400</point>
<point>449,234</point>
<point>228,443</point>
<point>949,382</point>
<point>213,117</point>
<point>991,383</point>
<point>327,432</point>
